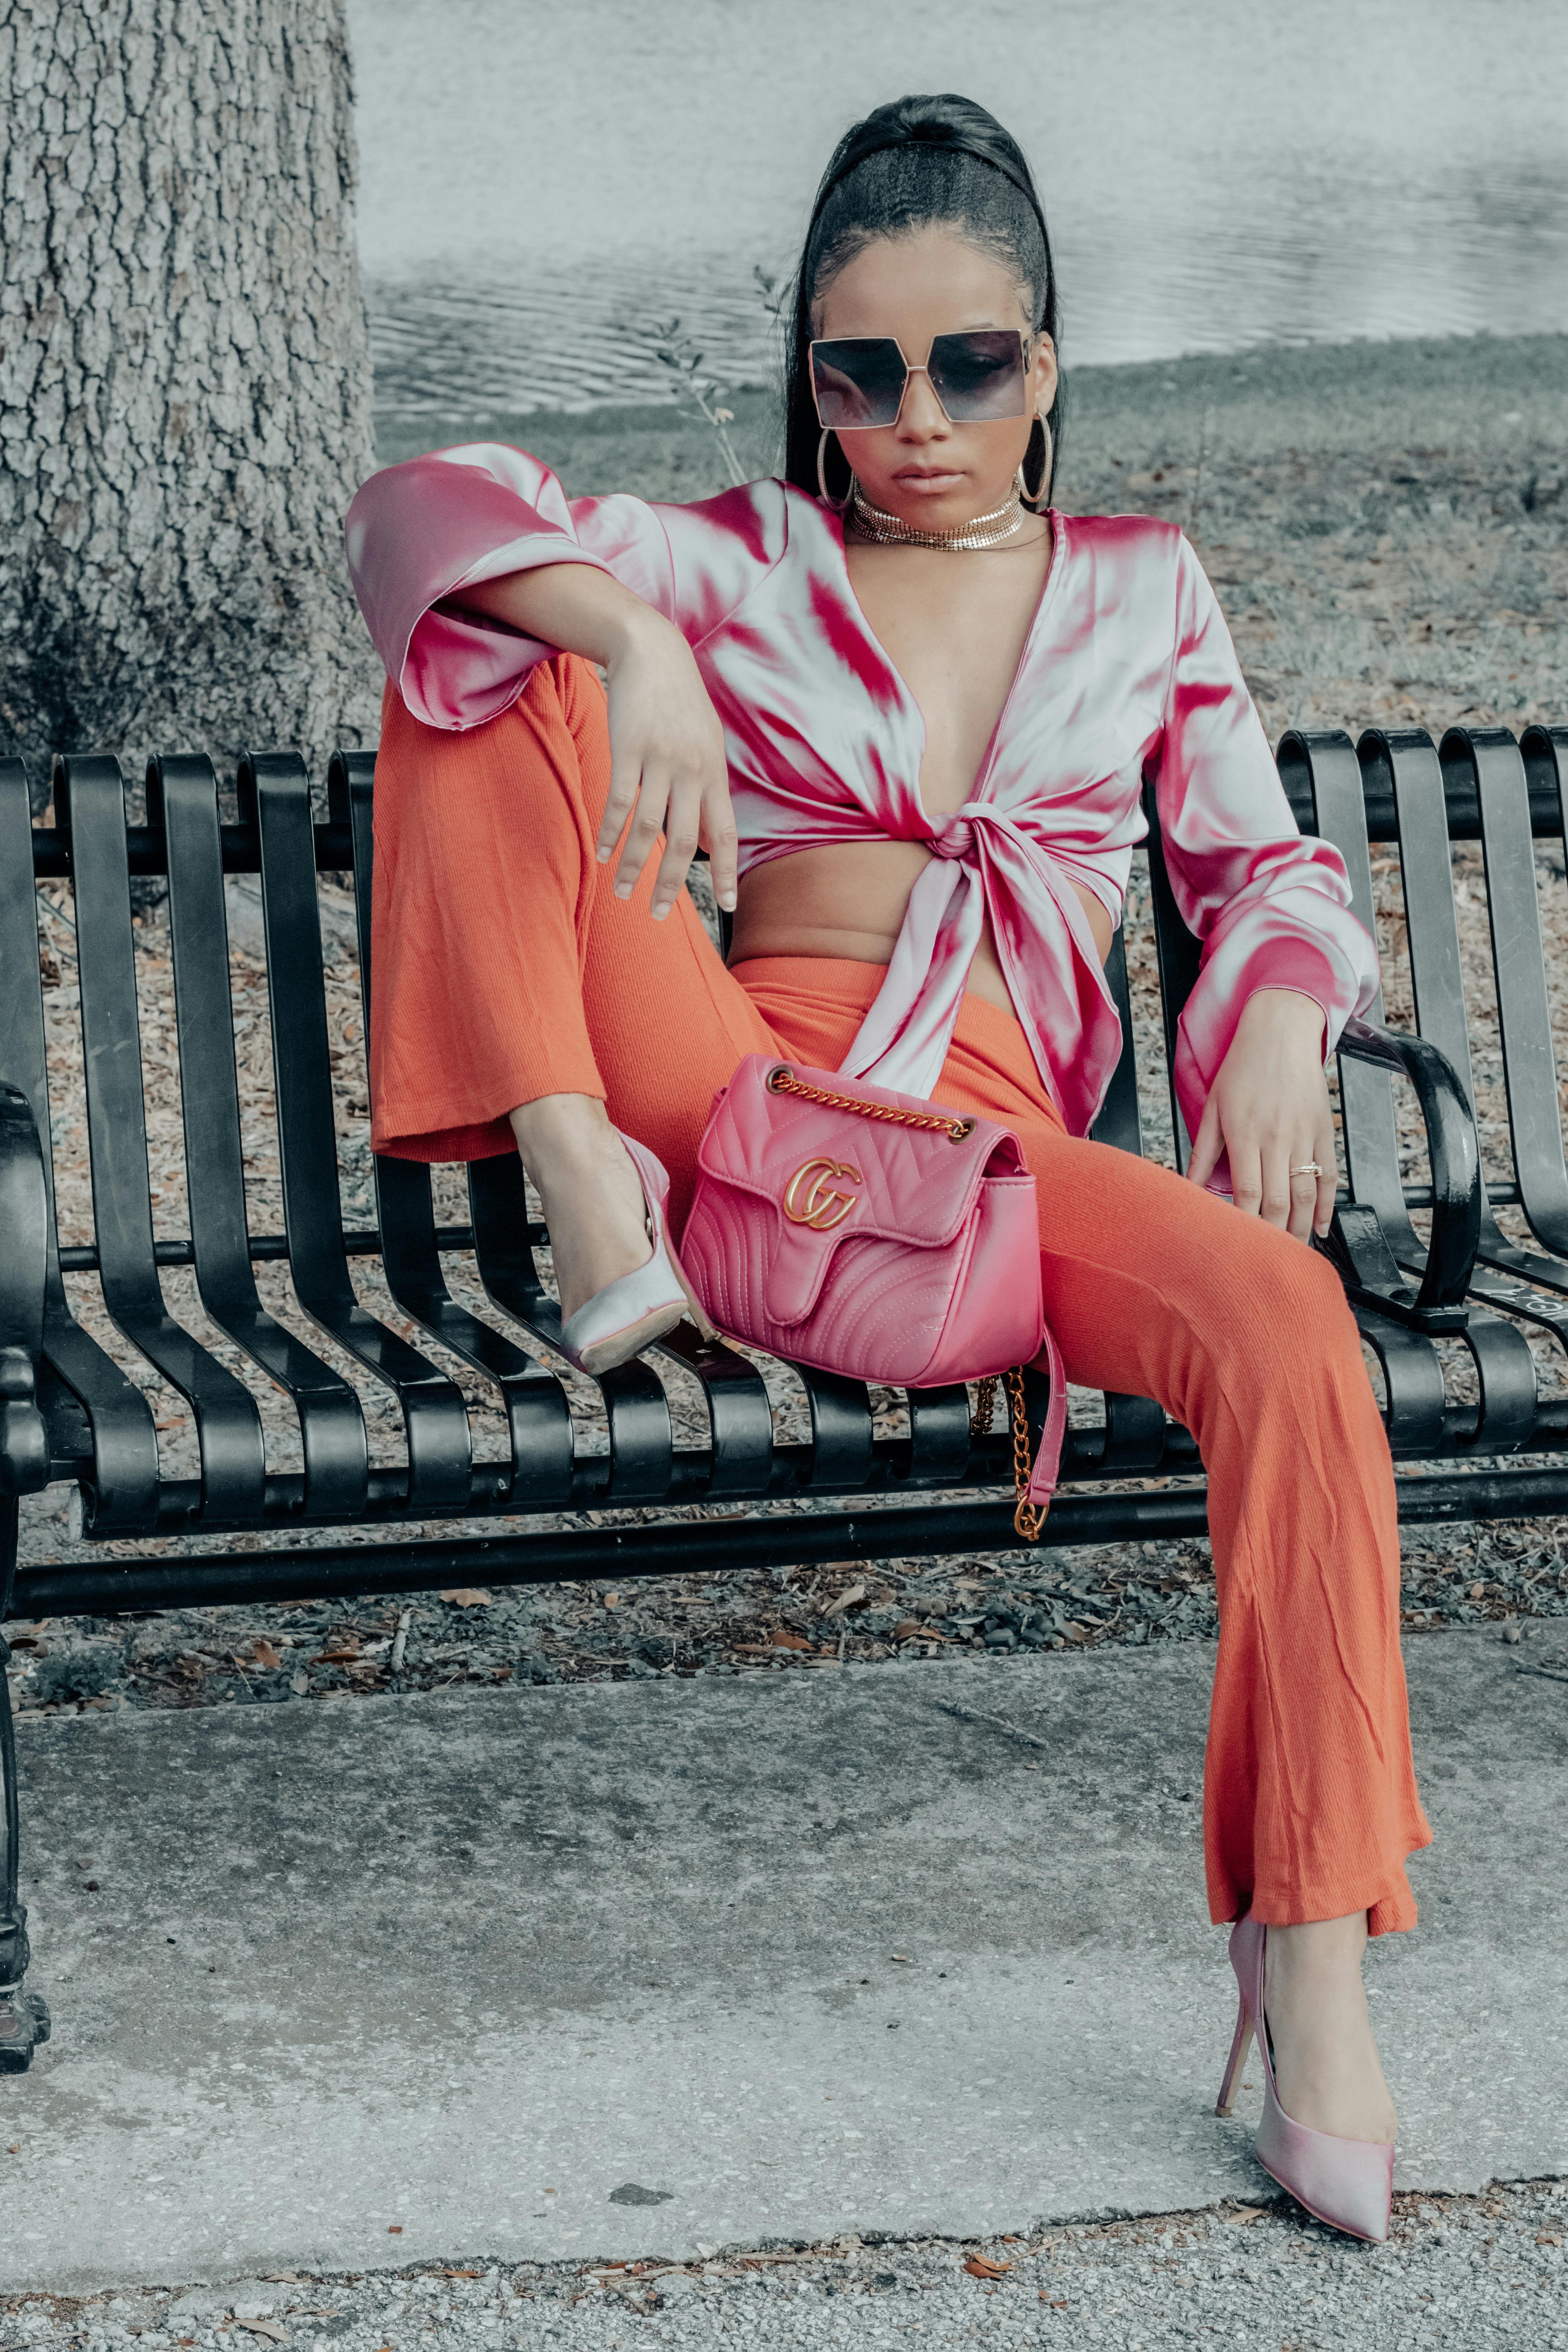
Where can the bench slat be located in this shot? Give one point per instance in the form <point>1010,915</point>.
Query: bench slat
<point>1416,1412</point>
<point>89,799</point>
<point>124,1442</point>
<point>182,797</point>
<point>740,1415</point>
<point>1118,1122</point>
<point>1490,760</point>
<point>1178,955</point>
<point>275,793</point>
<point>1329,763</point>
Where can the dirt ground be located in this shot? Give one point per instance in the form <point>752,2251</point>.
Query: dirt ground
<point>1387,527</point>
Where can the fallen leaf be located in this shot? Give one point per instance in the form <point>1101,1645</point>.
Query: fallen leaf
<point>1243,2214</point>
<point>907,1628</point>
<point>15,2149</point>
<point>268,2328</point>
<point>1053,2302</point>
<point>612,1600</point>
<point>262,1651</point>
<point>1549,2238</point>
<point>782,1639</point>
<point>468,1596</point>
<point>982,2267</point>
<point>336,1658</point>
<point>471,2273</point>
<point>395,2228</point>
<point>844,1600</point>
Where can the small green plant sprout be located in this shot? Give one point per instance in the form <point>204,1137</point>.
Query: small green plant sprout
<point>698,391</point>
<point>771,291</point>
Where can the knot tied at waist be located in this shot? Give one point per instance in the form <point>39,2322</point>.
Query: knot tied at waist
<point>954,838</point>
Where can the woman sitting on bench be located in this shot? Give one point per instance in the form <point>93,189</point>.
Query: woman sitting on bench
<point>913,706</point>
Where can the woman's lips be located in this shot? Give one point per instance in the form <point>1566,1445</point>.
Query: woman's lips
<point>933,478</point>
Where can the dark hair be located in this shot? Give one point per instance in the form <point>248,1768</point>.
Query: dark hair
<point>910,165</point>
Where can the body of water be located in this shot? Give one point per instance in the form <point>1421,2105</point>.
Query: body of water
<point>543,181</point>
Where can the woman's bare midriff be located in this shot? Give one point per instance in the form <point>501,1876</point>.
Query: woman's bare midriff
<point>847,901</point>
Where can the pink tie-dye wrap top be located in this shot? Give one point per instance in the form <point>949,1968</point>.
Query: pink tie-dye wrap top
<point>1127,671</point>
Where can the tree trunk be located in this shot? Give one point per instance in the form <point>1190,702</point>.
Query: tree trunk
<point>185,379</point>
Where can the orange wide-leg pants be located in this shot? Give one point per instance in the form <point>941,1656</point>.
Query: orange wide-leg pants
<point>505,969</point>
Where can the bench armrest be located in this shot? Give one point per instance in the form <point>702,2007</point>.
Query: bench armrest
<point>1452,1151</point>
<point>23,1263</point>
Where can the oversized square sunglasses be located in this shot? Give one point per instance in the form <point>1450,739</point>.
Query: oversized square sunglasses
<point>859,381</point>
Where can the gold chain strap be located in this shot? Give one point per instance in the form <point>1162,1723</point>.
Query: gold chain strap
<point>784,1081</point>
<point>1027,1517</point>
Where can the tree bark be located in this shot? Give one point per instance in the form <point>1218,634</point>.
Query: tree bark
<point>185,379</point>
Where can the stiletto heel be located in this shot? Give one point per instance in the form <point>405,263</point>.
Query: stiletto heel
<point>1236,2061</point>
<point>1348,2183</point>
<point>640,1308</point>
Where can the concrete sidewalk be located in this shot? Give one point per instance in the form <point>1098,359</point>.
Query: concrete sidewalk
<point>617,1969</point>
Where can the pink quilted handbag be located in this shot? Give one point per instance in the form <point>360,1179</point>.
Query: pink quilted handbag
<point>875,1234</point>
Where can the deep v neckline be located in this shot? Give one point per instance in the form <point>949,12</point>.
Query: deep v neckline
<point>1056,523</point>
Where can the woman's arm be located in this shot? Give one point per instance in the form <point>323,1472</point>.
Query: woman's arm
<point>441,550</point>
<point>1284,962</point>
<point>666,749</point>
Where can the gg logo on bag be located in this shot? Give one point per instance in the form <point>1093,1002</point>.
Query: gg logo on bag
<point>822,1208</point>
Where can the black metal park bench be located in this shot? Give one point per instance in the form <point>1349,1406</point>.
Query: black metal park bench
<point>1461,1294</point>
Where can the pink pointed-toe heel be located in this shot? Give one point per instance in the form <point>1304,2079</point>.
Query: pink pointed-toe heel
<point>640,1308</point>
<point>1348,2183</point>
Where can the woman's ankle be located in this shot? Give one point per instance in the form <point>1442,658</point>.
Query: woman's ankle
<point>1325,2053</point>
<point>1319,1947</point>
<point>589,1190</point>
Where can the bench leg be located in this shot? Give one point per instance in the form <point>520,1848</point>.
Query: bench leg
<point>24,2020</point>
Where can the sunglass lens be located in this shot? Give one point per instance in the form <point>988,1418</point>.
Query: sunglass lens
<point>858,381</point>
<point>979,375</point>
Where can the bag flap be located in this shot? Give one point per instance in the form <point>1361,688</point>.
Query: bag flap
<point>833,1175</point>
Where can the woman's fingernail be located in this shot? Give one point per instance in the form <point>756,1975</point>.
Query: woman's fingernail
<point>727,902</point>
<point>623,889</point>
<point>660,913</point>
<point>604,857</point>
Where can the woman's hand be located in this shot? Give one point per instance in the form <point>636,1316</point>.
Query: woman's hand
<point>1269,1110</point>
<point>667,748</point>
<point>668,770</point>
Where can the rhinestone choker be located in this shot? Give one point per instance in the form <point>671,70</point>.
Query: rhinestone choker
<point>982,531</point>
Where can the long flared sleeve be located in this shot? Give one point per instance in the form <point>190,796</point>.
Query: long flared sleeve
<point>1271,907</point>
<point>418,533</point>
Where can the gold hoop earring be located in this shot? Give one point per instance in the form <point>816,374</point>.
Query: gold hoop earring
<point>839,506</point>
<point>1035,498</point>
